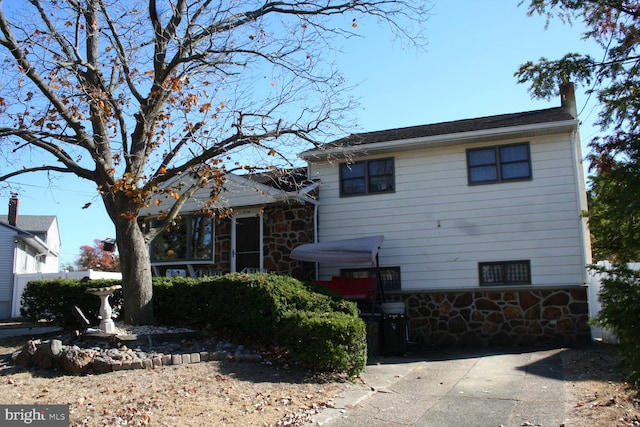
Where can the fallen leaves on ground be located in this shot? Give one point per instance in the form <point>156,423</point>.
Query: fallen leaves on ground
<point>597,391</point>
<point>225,393</point>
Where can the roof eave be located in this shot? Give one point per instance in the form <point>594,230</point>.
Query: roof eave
<point>494,134</point>
<point>38,244</point>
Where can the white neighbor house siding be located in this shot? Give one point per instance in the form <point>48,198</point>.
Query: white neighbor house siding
<point>7,248</point>
<point>437,227</point>
<point>51,263</point>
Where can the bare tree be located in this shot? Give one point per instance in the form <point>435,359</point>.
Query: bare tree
<point>131,95</point>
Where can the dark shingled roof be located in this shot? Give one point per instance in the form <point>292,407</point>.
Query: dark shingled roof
<point>458,126</point>
<point>285,180</point>
<point>32,223</point>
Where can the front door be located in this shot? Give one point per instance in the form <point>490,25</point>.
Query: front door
<point>247,243</point>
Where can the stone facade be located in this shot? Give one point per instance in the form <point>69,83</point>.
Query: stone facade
<point>497,317</point>
<point>284,226</point>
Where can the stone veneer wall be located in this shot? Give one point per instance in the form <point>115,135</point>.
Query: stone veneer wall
<point>497,317</point>
<point>222,245</point>
<point>285,226</point>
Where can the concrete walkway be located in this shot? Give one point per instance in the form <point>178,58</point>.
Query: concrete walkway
<point>479,387</point>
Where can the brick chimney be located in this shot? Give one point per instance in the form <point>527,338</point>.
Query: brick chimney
<point>568,99</point>
<point>13,210</point>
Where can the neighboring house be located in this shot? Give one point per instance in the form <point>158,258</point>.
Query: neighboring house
<point>270,215</point>
<point>484,237</point>
<point>28,244</point>
<point>482,222</point>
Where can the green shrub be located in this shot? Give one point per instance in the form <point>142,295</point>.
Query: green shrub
<point>327,342</point>
<point>320,330</point>
<point>620,299</point>
<point>53,300</point>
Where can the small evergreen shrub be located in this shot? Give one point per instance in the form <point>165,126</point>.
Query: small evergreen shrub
<point>320,330</point>
<point>327,342</point>
<point>620,299</point>
<point>53,300</point>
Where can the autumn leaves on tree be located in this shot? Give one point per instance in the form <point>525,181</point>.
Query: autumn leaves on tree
<point>132,95</point>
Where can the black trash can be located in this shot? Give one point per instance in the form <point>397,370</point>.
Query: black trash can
<point>394,334</point>
<point>373,322</point>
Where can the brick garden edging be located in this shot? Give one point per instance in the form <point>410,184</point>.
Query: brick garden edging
<point>52,353</point>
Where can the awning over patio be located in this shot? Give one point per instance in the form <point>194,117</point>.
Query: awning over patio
<point>351,251</point>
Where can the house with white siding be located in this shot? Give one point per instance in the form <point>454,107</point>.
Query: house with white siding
<point>484,237</point>
<point>28,244</point>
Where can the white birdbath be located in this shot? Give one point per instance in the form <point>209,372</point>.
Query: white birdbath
<point>106,323</point>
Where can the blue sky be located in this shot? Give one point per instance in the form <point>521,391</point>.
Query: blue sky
<point>465,71</point>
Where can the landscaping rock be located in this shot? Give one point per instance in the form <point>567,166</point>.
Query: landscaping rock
<point>24,356</point>
<point>47,353</point>
<point>91,355</point>
<point>101,365</point>
<point>76,360</point>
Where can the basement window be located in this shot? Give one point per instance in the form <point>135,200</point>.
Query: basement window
<point>505,273</point>
<point>389,276</point>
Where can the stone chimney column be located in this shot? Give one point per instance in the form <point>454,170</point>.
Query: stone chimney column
<point>568,98</point>
<point>13,210</point>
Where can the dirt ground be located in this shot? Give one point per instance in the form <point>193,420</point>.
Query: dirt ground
<point>596,389</point>
<point>253,394</point>
<point>224,393</point>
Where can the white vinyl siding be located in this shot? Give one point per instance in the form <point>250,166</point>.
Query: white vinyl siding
<point>437,228</point>
<point>7,248</point>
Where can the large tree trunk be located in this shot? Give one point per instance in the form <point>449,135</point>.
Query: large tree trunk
<point>136,273</point>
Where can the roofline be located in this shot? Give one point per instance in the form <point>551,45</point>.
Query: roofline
<point>276,193</point>
<point>529,130</point>
<point>38,243</point>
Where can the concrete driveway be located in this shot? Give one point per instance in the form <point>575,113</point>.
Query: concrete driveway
<point>462,387</point>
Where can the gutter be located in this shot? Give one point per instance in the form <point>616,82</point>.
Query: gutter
<point>39,244</point>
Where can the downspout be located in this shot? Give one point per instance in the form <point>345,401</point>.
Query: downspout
<point>315,236</point>
<point>15,255</point>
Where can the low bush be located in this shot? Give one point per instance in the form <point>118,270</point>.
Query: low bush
<point>326,341</point>
<point>319,329</point>
<point>620,299</point>
<point>53,300</point>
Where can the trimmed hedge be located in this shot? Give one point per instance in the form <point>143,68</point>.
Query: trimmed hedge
<point>320,330</point>
<point>52,300</point>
